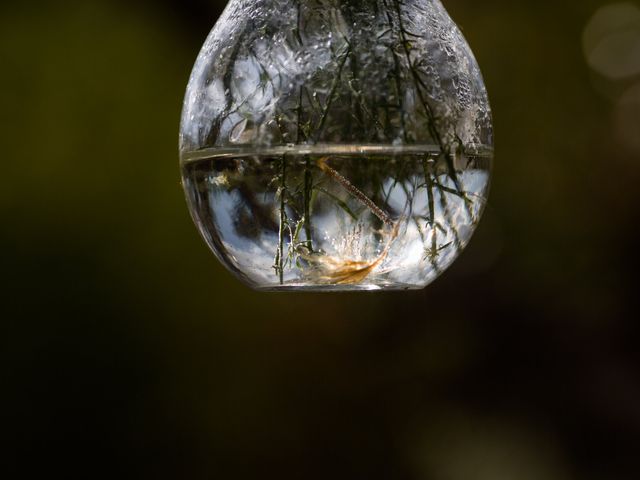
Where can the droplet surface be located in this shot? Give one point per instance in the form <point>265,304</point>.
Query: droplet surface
<point>336,145</point>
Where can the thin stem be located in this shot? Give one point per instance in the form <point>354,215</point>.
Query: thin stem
<point>447,214</point>
<point>332,92</point>
<point>308,178</point>
<point>429,184</point>
<point>227,79</point>
<point>353,190</point>
<point>396,81</point>
<point>297,29</point>
<point>279,260</point>
<point>427,107</point>
<point>308,187</point>
<point>357,104</point>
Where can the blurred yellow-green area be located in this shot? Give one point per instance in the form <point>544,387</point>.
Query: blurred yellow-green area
<point>128,351</point>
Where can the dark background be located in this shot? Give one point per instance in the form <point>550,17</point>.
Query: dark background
<point>128,351</point>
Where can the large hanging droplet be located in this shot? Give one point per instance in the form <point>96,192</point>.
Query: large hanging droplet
<point>336,144</point>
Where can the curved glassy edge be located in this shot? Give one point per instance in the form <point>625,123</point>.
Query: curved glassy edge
<point>352,152</point>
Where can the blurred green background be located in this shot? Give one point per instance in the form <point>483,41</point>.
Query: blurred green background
<point>128,351</point>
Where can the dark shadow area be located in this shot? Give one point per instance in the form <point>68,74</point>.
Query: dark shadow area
<point>128,351</point>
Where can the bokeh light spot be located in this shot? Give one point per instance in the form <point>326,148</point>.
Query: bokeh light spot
<point>611,41</point>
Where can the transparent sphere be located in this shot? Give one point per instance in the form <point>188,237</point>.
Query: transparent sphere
<point>336,144</point>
